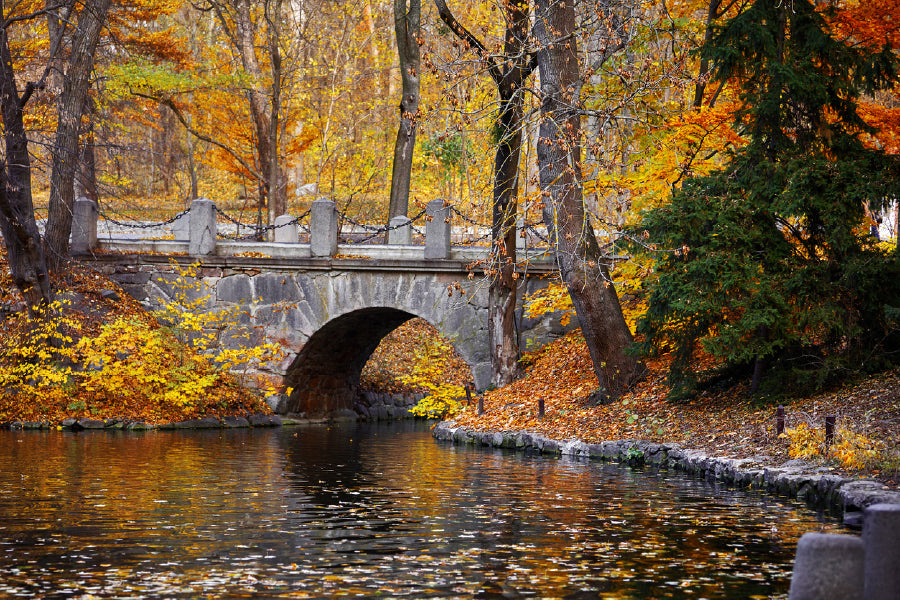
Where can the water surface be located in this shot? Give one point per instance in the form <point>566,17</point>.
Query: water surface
<point>369,511</point>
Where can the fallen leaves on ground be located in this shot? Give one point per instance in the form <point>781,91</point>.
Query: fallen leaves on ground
<point>723,422</point>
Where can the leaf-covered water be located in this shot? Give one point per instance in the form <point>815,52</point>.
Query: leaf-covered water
<point>369,511</point>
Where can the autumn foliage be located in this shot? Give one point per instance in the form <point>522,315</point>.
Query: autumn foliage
<point>97,354</point>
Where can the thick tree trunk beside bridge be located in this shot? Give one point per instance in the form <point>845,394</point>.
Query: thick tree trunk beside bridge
<point>584,270</point>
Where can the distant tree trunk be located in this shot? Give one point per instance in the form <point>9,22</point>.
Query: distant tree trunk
<point>509,73</point>
<point>24,250</point>
<point>584,270</point>
<point>264,112</point>
<point>277,187</point>
<point>407,26</point>
<point>86,178</point>
<point>70,109</point>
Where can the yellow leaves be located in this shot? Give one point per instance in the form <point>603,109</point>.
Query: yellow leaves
<point>554,297</point>
<point>851,449</point>
<point>804,441</point>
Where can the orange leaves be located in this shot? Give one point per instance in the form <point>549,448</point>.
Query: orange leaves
<point>871,22</point>
<point>720,421</point>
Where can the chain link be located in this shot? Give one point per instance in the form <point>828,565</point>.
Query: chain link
<point>139,224</point>
<point>378,230</point>
<point>257,231</point>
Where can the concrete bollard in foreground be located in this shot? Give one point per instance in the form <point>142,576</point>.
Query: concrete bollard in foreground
<point>828,567</point>
<point>437,230</point>
<point>323,225</point>
<point>84,226</point>
<point>202,240</point>
<point>881,537</point>
<point>400,231</point>
<point>285,231</point>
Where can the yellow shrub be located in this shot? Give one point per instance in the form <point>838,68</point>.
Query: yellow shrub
<point>38,362</point>
<point>431,361</point>
<point>855,450</point>
<point>805,442</point>
<point>852,450</point>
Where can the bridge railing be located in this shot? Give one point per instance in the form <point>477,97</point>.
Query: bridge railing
<point>196,232</point>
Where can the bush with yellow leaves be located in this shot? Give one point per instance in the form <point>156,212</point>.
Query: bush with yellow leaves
<point>36,358</point>
<point>50,365</point>
<point>851,449</point>
<point>431,360</point>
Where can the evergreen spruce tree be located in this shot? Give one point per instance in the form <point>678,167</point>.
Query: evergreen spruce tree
<point>771,266</point>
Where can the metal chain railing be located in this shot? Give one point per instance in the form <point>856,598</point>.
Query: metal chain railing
<point>377,230</point>
<point>374,230</point>
<point>140,224</point>
<point>257,231</point>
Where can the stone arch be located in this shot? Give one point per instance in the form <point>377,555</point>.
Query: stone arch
<point>325,373</point>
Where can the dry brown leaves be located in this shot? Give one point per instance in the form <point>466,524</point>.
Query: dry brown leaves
<point>723,423</point>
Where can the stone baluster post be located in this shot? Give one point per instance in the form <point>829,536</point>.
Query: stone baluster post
<point>323,224</point>
<point>881,537</point>
<point>400,231</point>
<point>285,231</point>
<point>437,230</point>
<point>202,240</point>
<point>84,226</point>
<point>828,566</point>
<point>181,227</point>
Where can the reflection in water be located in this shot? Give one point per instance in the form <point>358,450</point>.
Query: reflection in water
<point>365,510</point>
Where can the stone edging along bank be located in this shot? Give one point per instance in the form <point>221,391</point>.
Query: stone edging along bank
<point>795,478</point>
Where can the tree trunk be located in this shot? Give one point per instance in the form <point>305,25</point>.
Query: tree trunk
<point>277,187</point>
<point>503,293</point>
<point>263,111</point>
<point>70,109</point>
<point>584,270</point>
<point>86,178</point>
<point>407,27</point>
<point>508,73</point>
<point>24,250</point>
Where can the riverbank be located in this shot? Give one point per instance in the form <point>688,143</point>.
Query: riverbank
<point>721,434</point>
<point>796,478</point>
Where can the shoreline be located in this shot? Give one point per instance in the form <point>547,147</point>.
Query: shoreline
<point>797,478</point>
<point>840,495</point>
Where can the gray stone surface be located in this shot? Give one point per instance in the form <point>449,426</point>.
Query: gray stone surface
<point>181,227</point>
<point>285,231</point>
<point>234,422</point>
<point>323,225</point>
<point>828,567</point>
<point>400,232</point>
<point>273,288</point>
<point>881,536</point>
<point>202,228</point>
<point>235,289</point>
<point>84,226</point>
<point>437,230</point>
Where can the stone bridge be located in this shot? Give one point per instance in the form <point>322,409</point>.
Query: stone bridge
<point>327,312</point>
